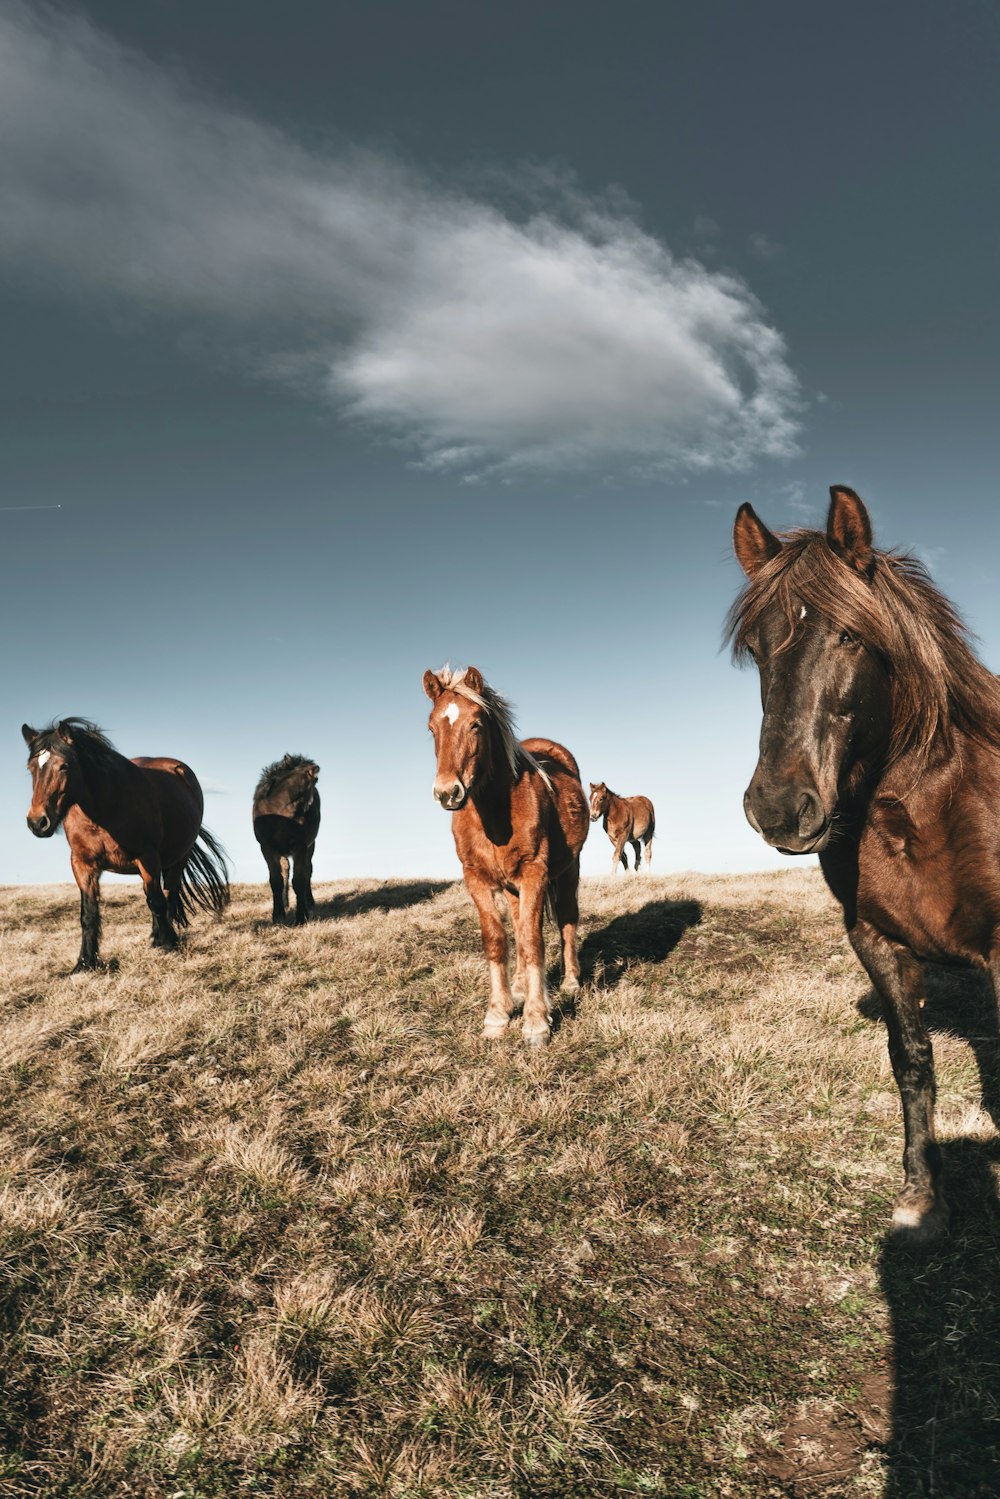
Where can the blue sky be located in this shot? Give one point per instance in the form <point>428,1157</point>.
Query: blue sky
<point>351,340</point>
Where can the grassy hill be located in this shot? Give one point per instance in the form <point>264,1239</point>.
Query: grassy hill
<point>274,1219</point>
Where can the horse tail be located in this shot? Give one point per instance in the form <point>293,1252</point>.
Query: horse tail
<point>204,881</point>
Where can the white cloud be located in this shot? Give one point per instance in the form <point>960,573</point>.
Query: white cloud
<point>563,337</point>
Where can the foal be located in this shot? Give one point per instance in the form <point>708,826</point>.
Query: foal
<point>880,752</point>
<point>138,816</point>
<point>627,819</point>
<point>285,824</point>
<point>519,820</point>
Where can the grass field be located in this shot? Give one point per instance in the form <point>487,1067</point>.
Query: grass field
<point>274,1219</point>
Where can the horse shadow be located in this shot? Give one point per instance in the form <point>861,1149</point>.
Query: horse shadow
<point>944,1301</point>
<point>391,897</point>
<point>648,935</point>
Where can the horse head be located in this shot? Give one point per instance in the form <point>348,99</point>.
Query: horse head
<point>54,776</point>
<point>825,691</point>
<point>598,800</point>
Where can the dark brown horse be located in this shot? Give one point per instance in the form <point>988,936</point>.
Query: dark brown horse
<point>880,751</point>
<point>627,819</point>
<point>138,816</point>
<point>285,824</point>
<point>519,819</point>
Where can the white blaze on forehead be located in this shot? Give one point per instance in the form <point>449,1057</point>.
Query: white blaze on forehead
<point>802,612</point>
<point>43,757</point>
<point>451,712</point>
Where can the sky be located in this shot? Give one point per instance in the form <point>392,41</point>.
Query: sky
<point>342,341</point>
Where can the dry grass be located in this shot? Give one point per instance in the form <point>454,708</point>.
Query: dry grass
<point>274,1219</point>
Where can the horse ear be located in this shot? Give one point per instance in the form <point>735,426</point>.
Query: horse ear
<point>474,679</point>
<point>28,734</point>
<point>432,686</point>
<point>753,543</point>
<point>65,732</point>
<point>313,772</point>
<point>849,528</point>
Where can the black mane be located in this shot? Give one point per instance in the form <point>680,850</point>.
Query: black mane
<point>90,745</point>
<point>272,775</point>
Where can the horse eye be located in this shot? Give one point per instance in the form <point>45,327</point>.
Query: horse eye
<point>751,653</point>
<point>846,638</point>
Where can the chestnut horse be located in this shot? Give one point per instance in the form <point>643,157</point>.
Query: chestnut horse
<point>138,816</point>
<point>880,751</point>
<point>285,824</point>
<point>627,819</point>
<point>519,818</point>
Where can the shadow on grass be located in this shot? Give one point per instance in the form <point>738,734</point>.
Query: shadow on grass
<point>944,1300</point>
<point>646,936</point>
<point>391,897</point>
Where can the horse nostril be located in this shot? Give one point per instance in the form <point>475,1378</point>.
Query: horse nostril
<point>811,816</point>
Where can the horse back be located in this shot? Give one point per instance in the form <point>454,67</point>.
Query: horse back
<point>174,784</point>
<point>570,804</point>
<point>548,749</point>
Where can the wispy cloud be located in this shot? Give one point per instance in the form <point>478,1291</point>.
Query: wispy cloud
<point>554,334</point>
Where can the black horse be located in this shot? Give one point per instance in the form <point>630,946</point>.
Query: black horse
<point>285,824</point>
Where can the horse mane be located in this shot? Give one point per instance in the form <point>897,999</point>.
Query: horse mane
<point>272,775</point>
<point>938,683</point>
<point>90,746</point>
<point>501,713</point>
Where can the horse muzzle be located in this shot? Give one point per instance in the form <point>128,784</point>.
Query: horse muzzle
<point>794,821</point>
<point>451,796</point>
<point>43,826</point>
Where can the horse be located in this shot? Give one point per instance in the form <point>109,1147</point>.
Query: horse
<point>140,816</point>
<point>880,752</point>
<point>519,819</point>
<point>627,819</point>
<point>285,824</point>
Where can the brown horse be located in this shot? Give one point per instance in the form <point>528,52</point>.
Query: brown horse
<point>627,819</point>
<point>880,751</point>
<point>519,822</point>
<point>285,824</point>
<point>138,816</point>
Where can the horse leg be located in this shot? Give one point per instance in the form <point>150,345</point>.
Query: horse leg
<point>277,871</point>
<point>301,884</point>
<point>649,852</point>
<point>520,985</point>
<point>501,1001</point>
<point>163,931</point>
<point>920,1211</point>
<point>172,879</point>
<point>568,916</point>
<point>618,857</point>
<point>535,1029</point>
<point>637,850</point>
<point>88,879</point>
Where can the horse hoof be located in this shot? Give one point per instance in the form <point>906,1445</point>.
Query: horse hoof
<point>494,1030</point>
<point>570,984</point>
<point>919,1221</point>
<point>536,1039</point>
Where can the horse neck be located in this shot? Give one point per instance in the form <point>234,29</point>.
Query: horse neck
<point>492,798</point>
<point>102,782</point>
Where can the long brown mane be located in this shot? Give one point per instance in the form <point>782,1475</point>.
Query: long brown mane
<point>938,683</point>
